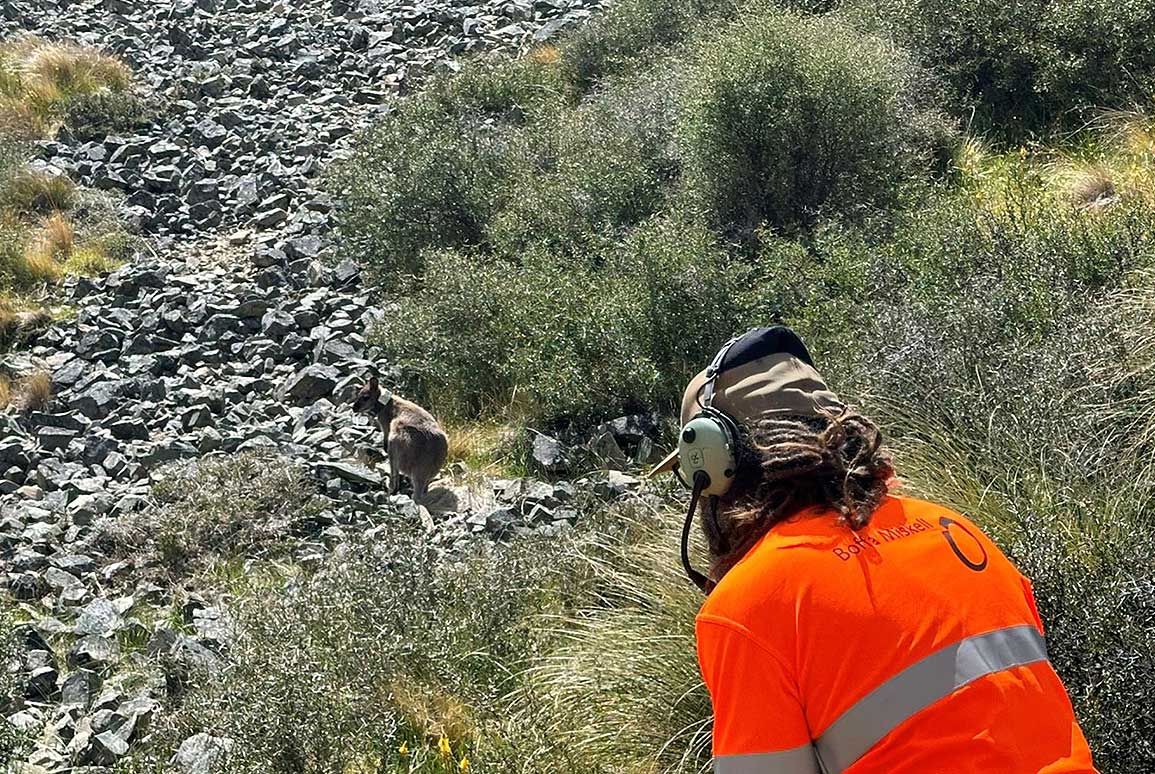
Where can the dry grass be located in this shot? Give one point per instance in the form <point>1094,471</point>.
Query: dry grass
<point>31,393</point>
<point>28,192</point>
<point>73,69</point>
<point>620,689</point>
<point>39,77</point>
<point>432,713</point>
<point>8,319</point>
<point>546,54</point>
<point>1092,186</point>
<point>37,265</point>
<point>5,392</point>
<point>483,448</point>
<point>58,236</point>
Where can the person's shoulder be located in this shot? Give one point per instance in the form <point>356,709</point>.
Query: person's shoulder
<point>759,582</point>
<point>913,508</point>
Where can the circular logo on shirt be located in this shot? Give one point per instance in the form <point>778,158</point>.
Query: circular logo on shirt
<point>971,547</point>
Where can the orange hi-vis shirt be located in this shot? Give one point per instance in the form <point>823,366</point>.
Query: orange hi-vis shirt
<point>912,645</point>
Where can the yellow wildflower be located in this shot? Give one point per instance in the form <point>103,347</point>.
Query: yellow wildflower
<point>443,746</point>
<point>403,750</point>
<point>464,764</point>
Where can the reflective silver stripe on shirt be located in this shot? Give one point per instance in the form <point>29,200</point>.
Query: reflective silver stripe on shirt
<point>800,760</point>
<point>920,685</point>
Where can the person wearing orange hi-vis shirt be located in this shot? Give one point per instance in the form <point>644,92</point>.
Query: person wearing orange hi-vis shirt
<point>848,628</point>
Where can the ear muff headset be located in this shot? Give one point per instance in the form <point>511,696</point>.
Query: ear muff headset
<point>708,453</point>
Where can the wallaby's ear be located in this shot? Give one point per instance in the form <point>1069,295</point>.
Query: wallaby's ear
<point>373,384</point>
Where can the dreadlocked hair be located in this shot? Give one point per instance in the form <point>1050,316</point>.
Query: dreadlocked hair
<point>787,464</point>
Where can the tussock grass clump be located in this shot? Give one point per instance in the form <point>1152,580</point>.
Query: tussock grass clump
<point>36,251</point>
<point>619,689</point>
<point>31,393</point>
<point>39,80</point>
<point>26,192</point>
<point>15,322</point>
<point>216,509</point>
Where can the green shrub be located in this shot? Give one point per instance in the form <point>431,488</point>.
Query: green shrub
<point>388,644</point>
<point>422,179</point>
<point>502,91</point>
<point>631,35</point>
<point>1026,65</point>
<point>13,742</point>
<point>1036,445</point>
<point>788,119</point>
<point>598,170</point>
<point>96,115</point>
<point>566,339</point>
<point>1095,54</point>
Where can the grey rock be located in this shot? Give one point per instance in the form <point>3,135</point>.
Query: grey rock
<point>41,683</point>
<point>129,430</point>
<point>55,438</point>
<point>27,586</point>
<point>358,475</point>
<point>196,417</point>
<point>605,447</point>
<point>549,454</point>
<point>310,383</point>
<point>92,652</point>
<point>80,688</point>
<point>99,617</point>
<point>202,754</point>
<point>616,484</point>
<point>97,401</point>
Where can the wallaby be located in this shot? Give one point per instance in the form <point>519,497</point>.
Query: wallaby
<point>416,444</point>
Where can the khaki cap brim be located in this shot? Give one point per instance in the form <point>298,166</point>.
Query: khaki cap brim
<point>666,465</point>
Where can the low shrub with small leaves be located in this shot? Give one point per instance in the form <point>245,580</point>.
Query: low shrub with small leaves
<point>94,116</point>
<point>13,741</point>
<point>573,340</point>
<point>1026,66</point>
<point>216,509</point>
<point>631,34</point>
<point>390,658</point>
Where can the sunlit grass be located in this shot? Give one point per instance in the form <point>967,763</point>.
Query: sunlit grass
<point>39,77</point>
<point>486,449</point>
<point>30,393</point>
<point>26,192</point>
<point>1110,161</point>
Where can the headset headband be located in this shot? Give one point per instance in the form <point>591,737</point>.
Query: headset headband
<point>712,372</point>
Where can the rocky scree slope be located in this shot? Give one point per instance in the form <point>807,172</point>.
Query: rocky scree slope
<point>239,334</point>
<point>256,96</point>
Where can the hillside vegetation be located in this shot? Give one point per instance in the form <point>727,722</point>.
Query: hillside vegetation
<point>48,226</point>
<point>569,235</point>
<point>953,202</point>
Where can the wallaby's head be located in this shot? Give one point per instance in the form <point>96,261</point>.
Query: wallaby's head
<point>369,396</point>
